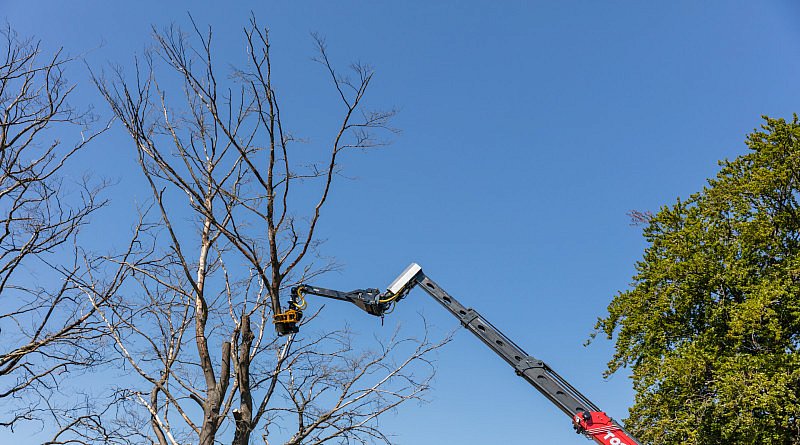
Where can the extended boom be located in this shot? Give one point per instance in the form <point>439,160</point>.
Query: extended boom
<point>587,419</point>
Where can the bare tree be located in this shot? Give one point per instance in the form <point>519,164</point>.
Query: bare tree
<point>232,228</point>
<point>47,329</point>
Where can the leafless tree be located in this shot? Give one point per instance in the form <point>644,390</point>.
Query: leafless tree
<point>232,227</point>
<point>47,329</point>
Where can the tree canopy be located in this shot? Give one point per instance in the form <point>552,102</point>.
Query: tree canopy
<point>710,327</point>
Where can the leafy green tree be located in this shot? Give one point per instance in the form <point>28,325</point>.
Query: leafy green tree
<point>711,325</point>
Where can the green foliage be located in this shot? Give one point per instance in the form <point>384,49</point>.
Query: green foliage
<point>711,325</point>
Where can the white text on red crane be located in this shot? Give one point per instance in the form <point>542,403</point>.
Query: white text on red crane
<point>614,440</point>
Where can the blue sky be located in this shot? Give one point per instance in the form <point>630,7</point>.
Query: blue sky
<point>529,130</point>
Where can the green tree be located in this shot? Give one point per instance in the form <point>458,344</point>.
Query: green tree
<point>710,327</point>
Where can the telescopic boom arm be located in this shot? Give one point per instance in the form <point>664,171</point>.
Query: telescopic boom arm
<point>587,419</point>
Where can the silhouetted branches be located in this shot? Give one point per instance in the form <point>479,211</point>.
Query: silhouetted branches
<point>47,329</point>
<point>233,225</point>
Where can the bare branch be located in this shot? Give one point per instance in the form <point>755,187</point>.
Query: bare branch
<point>46,330</point>
<point>197,325</point>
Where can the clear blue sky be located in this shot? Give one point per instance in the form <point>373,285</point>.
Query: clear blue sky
<point>529,130</point>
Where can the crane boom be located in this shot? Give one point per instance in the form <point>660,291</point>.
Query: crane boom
<point>587,419</point>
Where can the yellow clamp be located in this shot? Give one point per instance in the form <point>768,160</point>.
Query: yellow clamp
<point>290,316</point>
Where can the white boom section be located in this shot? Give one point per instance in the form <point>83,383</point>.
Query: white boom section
<point>401,281</point>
